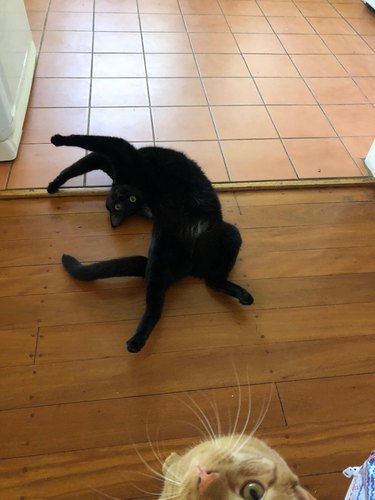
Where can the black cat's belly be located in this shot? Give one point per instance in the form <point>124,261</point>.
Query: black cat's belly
<point>189,235</point>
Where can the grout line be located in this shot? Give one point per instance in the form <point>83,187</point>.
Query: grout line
<point>146,75</point>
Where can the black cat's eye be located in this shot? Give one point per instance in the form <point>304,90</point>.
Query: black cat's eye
<point>252,491</point>
<point>118,207</point>
<point>132,198</point>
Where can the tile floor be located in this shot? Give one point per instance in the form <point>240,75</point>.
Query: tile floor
<point>252,89</point>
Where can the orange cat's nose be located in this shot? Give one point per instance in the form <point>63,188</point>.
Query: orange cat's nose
<point>206,478</point>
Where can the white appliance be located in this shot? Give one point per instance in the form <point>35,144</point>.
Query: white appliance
<point>17,64</point>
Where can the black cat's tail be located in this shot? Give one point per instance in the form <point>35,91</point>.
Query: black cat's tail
<point>125,266</point>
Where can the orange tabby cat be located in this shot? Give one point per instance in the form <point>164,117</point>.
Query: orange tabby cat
<point>230,468</point>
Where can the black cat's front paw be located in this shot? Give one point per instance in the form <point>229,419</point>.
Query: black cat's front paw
<point>57,140</point>
<point>53,187</point>
<point>246,299</point>
<point>134,344</point>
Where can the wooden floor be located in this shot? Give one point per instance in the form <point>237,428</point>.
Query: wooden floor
<point>74,402</point>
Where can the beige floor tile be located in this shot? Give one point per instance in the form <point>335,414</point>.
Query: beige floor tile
<point>168,23</point>
<point>116,6</point>
<point>158,7</point>
<point>206,153</point>
<point>256,43</point>
<point>70,21</point>
<point>324,65</point>
<point>41,123</point>
<point>319,158</point>
<point>63,65</point>
<point>243,122</point>
<point>105,21</point>
<point>67,41</point>
<point>71,6</point>
<point>231,91</point>
<point>284,91</point>
<point>303,44</point>
<point>197,23</point>
<point>257,160</point>
<point>248,24</point>
<point>300,121</point>
<point>352,120</point>
<point>169,43</point>
<point>367,85</point>
<point>213,43</point>
<point>60,92</point>
<point>346,44</point>
<point>240,7</point>
<point>38,164</point>
<point>291,25</point>
<point>119,92</point>
<point>183,124</point>
<point>222,65</point>
<point>105,41</point>
<point>336,91</point>
<point>118,65</point>
<point>270,65</point>
<point>176,92</point>
<point>4,173</point>
<point>133,124</point>
<point>171,65</point>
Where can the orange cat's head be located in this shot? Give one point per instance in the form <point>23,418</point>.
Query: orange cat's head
<point>230,468</point>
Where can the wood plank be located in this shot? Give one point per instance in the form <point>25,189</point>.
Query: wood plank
<point>319,401</point>
<point>73,205</point>
<point>108,378</point>
<point>49,250</point>
<point>67,427</point>
<point>17,346</point>
<point>99,303</point>
<point>315,195</point>
<point>306,214</point>
<point>326,486</point>
<point>101,340</point>
<point>114,470</point>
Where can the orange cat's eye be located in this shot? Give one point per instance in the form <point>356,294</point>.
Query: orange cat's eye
<point>252,491</point>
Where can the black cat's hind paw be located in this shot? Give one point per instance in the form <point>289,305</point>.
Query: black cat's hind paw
<point>57,140</point>
<point>71,264</point>
<point>246,299</point>
<point>134,344</point>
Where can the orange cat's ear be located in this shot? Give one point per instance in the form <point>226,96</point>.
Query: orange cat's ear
<point>170,460</point>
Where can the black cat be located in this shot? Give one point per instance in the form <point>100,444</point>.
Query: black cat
<point>189,235</point>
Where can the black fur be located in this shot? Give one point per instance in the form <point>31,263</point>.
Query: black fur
<point>189,235</point>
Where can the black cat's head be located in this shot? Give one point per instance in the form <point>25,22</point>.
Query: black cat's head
<point>123,201</point>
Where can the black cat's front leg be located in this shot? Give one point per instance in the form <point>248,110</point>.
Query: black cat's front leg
<point>93,161</point>
<point>110,146</point>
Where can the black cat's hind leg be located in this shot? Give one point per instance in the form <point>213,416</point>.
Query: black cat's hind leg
<point>92,161</point>
<point>168,262</point>
<point>125,266</point>
<point>215,255</point>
